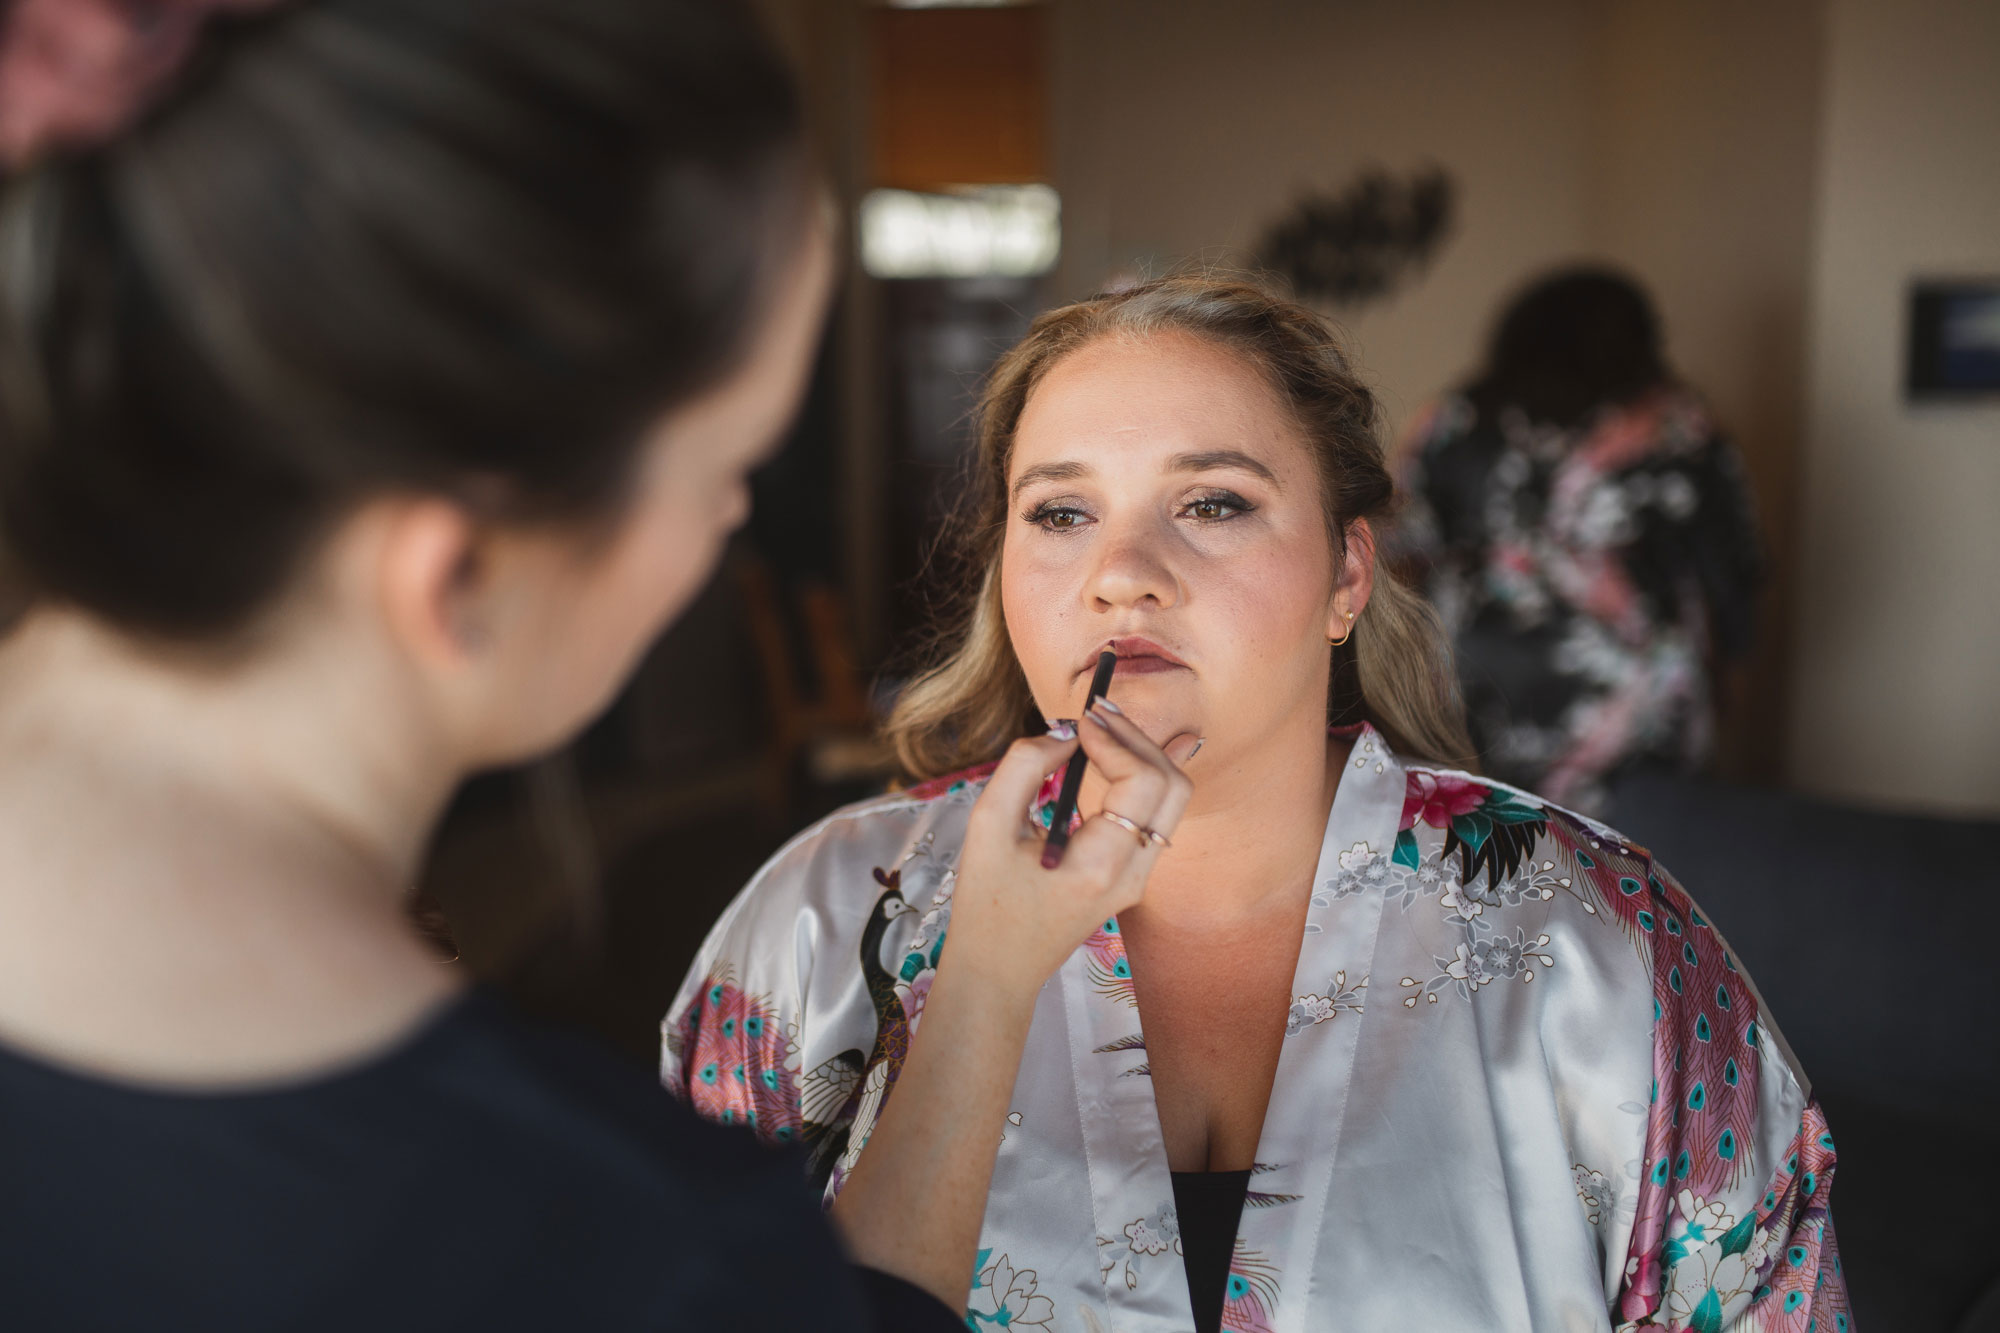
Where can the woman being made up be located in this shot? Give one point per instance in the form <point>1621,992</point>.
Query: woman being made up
<point>377,378</point>
<point>1385,1046</point>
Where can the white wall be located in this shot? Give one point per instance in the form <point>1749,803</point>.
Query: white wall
<point>1183,127</point>
<point>1896,693</point>
<point>1704,138</point>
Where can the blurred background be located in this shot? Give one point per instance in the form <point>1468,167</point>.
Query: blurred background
<point>1809,190</point>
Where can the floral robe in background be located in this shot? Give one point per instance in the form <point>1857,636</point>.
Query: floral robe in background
<point>1523,1083</point>
<point>1591,581</point>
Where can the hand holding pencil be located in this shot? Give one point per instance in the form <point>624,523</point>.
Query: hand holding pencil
<point>1015,917</point>
<point>1022,903</point>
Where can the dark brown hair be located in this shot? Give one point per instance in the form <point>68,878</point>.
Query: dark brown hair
<point>1572,343</point>
<point>465,246</point>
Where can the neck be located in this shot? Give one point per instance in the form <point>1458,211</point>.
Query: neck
<point>1250,838</point>
<point>208,859</point>
<point>299,747</point>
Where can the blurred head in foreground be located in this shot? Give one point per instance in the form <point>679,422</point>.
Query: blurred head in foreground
<point>434,335</point>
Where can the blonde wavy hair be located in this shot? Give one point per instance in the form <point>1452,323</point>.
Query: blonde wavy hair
<point>970,699</point>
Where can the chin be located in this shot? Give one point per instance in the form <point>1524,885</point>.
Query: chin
<point>1161,706</point>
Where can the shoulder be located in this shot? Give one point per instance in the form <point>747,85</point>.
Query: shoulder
<point>937,803</point>
<point>1436,430</point>
<point>771,987</point>
<point>836,858</point>
<point>1672,427</point>
<point>1687,416</point>
<point>1491,833</point>
<point>485,1142</point>
<point>819,892</point>
<point>1494,826</point>
<point>1604,894</point>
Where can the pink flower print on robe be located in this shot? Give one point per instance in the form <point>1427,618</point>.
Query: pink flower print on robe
<point>1438,798</point>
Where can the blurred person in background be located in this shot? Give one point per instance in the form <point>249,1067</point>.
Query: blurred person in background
<point>377,379</point>
<point>1589,539</point>
<point>1385,1046</point>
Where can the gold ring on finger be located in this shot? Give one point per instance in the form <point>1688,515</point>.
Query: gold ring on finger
<point>1144,835</point>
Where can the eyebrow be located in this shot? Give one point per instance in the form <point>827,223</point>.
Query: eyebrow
<point>1212,459</point>
<point>1048,472</point>
<point>1205,461</point>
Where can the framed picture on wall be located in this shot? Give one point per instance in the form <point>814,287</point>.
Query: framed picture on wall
<point>1954,344</point>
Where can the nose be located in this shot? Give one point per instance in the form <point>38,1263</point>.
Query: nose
<point>1131,570</point>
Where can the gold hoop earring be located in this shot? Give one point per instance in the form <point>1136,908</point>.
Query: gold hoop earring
<point>1335,643</point>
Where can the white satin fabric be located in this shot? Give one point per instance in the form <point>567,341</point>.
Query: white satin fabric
<point>1498,1104</point>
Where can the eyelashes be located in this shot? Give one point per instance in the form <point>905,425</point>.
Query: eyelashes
<point>1217,500</point>
<point>1215,506</point>
<point>1055,517</point>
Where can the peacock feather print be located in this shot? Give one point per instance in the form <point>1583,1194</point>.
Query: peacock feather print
<point>1803,1288</point>
<point>736,1063</point>
<point>1106,963</point>
<point>1250,1294</point>
<point>1706,1053</point>
<point>1264,1198</point>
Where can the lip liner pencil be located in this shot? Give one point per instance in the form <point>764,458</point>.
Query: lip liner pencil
<point>1065,809</point>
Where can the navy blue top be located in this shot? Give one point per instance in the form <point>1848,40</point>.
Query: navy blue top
<point>486,1174</point>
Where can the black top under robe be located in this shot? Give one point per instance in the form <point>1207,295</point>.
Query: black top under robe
<point>486,1174</point>
<point>1210,1204</point>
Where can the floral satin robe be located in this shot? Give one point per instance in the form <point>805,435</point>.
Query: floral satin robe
<point>1523,1083</point>
<point>1593,581</point>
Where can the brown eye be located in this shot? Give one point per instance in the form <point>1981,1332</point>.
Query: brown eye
<point>1215,508</point>
<point>1056,518</point>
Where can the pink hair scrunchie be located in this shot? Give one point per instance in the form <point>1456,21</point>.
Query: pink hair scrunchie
<point>75,72</point>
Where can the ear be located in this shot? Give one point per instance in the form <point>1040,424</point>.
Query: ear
<point>1356,582</point>
<point>429,575</point>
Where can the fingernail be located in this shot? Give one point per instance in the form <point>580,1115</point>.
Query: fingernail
<point>1098,718</point>
<point>1199,741</point>
<point>1063,729</point>
<point>1110,707</point>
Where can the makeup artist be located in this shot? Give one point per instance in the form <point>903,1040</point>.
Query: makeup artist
<point>1386,1046</point>
<point>377,379</point>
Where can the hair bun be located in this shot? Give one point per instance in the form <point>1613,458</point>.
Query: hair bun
<point>535,226</point>
<point>75,72</point>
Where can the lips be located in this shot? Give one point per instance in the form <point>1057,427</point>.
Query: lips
<point>1139,656</point>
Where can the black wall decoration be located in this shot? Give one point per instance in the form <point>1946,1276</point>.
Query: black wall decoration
<point>1349,248</point>
<point>1954,340</point>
